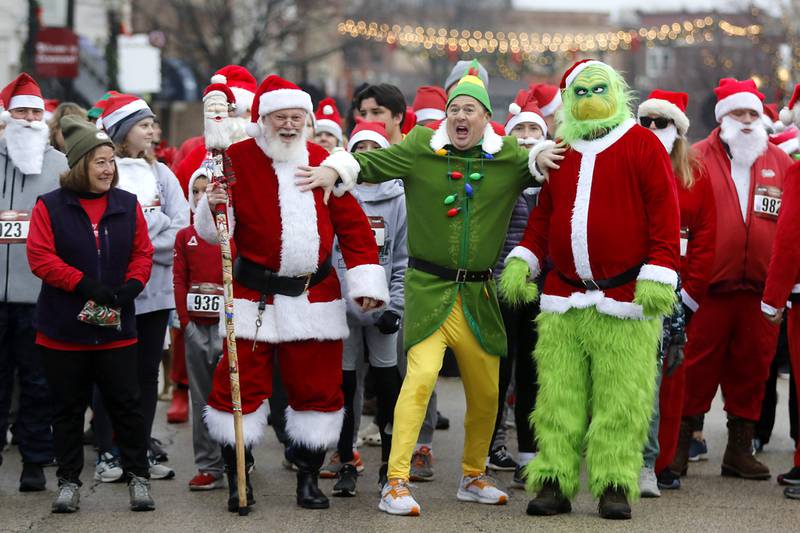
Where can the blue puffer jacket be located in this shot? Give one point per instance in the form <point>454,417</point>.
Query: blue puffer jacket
<point>519,221</point>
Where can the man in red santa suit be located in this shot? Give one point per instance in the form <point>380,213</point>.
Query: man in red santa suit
<point>730,344</point>
<point>287,296</point>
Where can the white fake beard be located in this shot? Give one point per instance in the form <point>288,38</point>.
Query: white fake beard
<point>26,143</point>
<point>529,142</point>
<point>136,177</point>
<point>745,147</point>
<point>667,136</point>
<point>277,150</point>
<point>236,129</point>
<point>217,135</point>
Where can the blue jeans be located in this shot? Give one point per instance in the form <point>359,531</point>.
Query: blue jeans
<point>651,448</point>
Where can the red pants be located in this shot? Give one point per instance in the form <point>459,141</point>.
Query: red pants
<point>793,332</point>
<point>669,423</point>
<point>731,345</point>
<point>178,374</point>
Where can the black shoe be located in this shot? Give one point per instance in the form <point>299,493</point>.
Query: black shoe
<point>383,476</point>
<point>501,460</point>
<point>793,493</point>
<point>792,477</point>
<point>346,485</point>
<point>442,422</point>
<point>549,501</point>
<point>518,481</point>
<point>669,480</point>
<point>157,448</point>
<point>32,478</point>
<point>614,504</point>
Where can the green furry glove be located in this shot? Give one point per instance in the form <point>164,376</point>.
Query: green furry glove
<point>657,299</point>
<point>514,285</point>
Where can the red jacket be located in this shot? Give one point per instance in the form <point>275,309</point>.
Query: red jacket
<point>699,221</point>
<point>783,276</point>
<point>191,162</point>
<point>742,248</point>
<point>196,262</point>
<point>186,146</point>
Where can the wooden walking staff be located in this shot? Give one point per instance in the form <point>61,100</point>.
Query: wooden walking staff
<point>219,176</point>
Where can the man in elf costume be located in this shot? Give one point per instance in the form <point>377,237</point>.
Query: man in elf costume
<point>608,218</point>
<point>461,182</point>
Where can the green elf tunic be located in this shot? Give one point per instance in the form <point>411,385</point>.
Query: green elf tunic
<point>470,240</point>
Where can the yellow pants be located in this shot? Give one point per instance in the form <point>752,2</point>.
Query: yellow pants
<point>479,373</point>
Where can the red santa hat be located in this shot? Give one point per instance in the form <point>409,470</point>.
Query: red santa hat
<point>219,88</point>
<point>548,97</point>
<point>276,93</point>
<point>50,105</point>
<point>328,119</point>
<point>524,109</point>
<point>120,113</point>
<point>734,94</point>
<point>368,131</point>
<point>786,113</point>
<point>787,140</point>
<point>241,83</point>
<point>429,103</point>
<point>667,104</point>
<point>23,91</point>
<point>575,70</point>
<point>409,121</point>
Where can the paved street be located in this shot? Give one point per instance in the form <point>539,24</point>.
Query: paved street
<point>707,502</point>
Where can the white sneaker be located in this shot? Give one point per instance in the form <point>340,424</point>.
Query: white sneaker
<point>396,499</point>
<point>480,489</point>
<point>370,435</point>
<point>648,483</point>
<point>107,468</point>
<point>157,470</point>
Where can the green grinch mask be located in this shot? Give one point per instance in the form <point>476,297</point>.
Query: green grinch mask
<point>595,102</point>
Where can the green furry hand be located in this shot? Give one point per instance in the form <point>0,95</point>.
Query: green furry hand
<point>657,299</point>
<point>514,285</point>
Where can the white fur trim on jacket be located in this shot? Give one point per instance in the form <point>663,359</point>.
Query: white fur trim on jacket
<point>220,425</point>
<point>299,232</point>
<point>598,299</point>
<point>347,167</point>
<point>284,99</point>
<point>534,152</point>
<point>688,301</point>
<point>743,100</point>
<point>659,274</point>
<point>205,223</point>
<point>491,143</point>
<point>580,217</point>
<point>367,281</point>
<point>314,430</point>
<point>768,309</point>
<point>657,106</point>
<point>520,252</point>
<point>598,145</point>
<point>290,319</point>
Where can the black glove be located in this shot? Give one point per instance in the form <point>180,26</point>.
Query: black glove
<point>388,322</point>
<point>127,292</point>
<point>673,358</point>
<point>97,291</point>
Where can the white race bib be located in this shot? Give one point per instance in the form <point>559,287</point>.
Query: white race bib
<point>378,229</point>
<point>766,205</point>
<point>204,300</point>
<point>684,241</point>
<point>14,226</point>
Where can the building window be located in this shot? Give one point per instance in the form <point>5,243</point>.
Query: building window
<point>659,61</point>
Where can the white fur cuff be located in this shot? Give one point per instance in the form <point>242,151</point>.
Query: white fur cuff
<point>347,167</point>
<point>768,309</point>
<point>367,281</point>
<point>204,222</point>
<point>688,301</point>
<point>535,151</point>
<point>315,430</point>
<point>659,274</point>
<point>220,425</point>
<point>520,252</point>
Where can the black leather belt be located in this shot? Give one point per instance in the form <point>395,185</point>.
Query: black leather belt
<point>449,274</point>
<point>603,284</point>
<point>795,298</point>
<point>256,277</point>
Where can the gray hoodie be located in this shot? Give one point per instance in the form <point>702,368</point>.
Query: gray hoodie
<point>387,201</point>
<point>18,192</point>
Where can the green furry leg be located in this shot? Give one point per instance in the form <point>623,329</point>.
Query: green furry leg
<point>657,299</point>
<point>562,403</point>
<point>623,366</point>
<point>515,288</point>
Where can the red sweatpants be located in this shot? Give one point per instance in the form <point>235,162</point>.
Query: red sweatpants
<point>178,374</point>
<point>731,345</point>
<point>311,372</point>
<point>793,333</point>
<point>670,398</point>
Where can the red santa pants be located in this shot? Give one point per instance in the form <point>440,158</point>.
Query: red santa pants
<point>311,372</point>
<point>731,345</point>
<point>793,332</point>
<point>670,398</point>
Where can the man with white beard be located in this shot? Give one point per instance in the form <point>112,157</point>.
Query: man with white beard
<point>730,342</point>
<point>31,167</point>
<point>287,296</point>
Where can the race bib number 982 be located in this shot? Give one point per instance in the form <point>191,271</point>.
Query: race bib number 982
<point>766,205</point>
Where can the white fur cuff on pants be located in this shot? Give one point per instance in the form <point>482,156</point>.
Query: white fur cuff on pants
<point>220,425</point>
<point>315,430</point>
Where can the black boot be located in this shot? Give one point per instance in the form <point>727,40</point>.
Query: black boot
<point>614,504</point>
<point>229,457</point>
<point>308,462</point>
<point>549,501</point>
<point>32,478</point>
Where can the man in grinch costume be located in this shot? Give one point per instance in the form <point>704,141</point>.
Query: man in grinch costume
<point>461,183</point>
<point>608,219</point>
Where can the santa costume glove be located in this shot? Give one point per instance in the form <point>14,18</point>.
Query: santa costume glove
<point>97,291</point>
<point>657,299</point>
<point>388,322</point>
<point>515,286</point>
<point>127,292</point>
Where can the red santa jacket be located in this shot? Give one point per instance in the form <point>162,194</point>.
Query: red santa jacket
<point>186,167</point>
<point>291,232</point>
<point>743,247</point>
<point>698,237</point>
<point>611,206</point>
<point>783,276</point>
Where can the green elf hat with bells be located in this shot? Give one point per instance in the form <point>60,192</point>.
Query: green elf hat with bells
<point>472,85</point>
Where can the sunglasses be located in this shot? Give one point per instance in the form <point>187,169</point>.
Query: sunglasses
<point>661,122</point>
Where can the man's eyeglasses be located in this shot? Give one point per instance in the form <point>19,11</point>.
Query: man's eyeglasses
<point>660,122</point>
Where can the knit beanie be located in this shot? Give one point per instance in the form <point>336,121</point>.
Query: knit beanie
<point>472,85</point>
<point>81,137</point>
<point>96,110</point>
<point>460,70</point>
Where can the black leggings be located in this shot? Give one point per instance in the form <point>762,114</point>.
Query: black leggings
<point>70,375</point>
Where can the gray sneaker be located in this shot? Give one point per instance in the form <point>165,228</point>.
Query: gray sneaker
<point>157,470</point>
<point>68,498</point>
<point>422,465</point>
<point>139,489</point>
<point>107,469</point>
